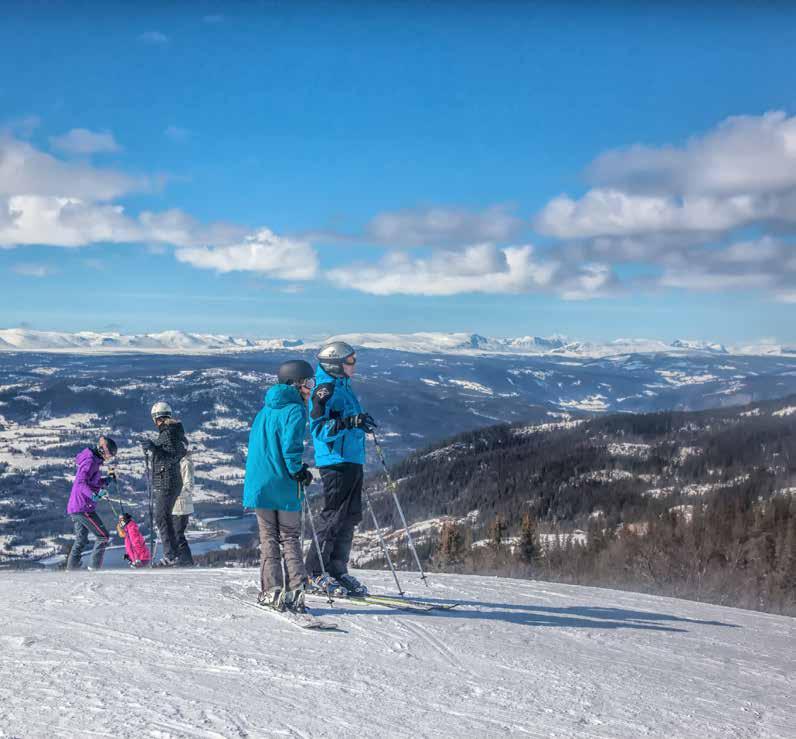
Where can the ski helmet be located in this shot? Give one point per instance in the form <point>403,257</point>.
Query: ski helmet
<point>294,371</point>
<point>160,410</point>
<point>332,356</point>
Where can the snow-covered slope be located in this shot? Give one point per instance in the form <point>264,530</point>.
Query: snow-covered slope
<point>163,654</point>
<point>89,342</point>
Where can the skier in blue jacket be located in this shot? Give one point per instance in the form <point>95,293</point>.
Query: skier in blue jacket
<point>274,471</point>
<point>338,427</point>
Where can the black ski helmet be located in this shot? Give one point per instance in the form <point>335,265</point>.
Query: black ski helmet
<point>333,355</point>
<point>294,371</point>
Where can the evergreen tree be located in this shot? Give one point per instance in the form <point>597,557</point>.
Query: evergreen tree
<point>530,548</point>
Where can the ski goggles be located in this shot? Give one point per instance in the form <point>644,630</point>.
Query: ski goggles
<point>352,360</point>
<point>309,383</point>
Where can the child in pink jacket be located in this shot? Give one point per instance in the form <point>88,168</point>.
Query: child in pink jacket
<point>136,551</point>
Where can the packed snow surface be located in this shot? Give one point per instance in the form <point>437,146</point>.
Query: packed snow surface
<point>164,654</point>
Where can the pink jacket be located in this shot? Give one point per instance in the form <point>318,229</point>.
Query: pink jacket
<point>134,543</point>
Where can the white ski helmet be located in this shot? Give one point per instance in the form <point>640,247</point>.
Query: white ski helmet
<point>332,356</point>
<point>160,410</point>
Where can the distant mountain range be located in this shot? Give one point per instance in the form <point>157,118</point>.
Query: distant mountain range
<point>90,342</point>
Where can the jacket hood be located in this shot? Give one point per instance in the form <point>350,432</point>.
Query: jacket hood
<point>279,396</point>
<point>88,453</point>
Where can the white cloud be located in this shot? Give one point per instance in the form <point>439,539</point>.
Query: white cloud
<point>483,268</point>
<point>83,141</point>
<point>743,154</point>
<point>24,170</point>
<point>71,222</point>
<point>33,270</point>
<point>263,252</point>
<point>766,264</point>
<point>156,38</point>
<point>439,226</point>
<point>614,213</point>
<point>44,200</point>
<point>741,173</point>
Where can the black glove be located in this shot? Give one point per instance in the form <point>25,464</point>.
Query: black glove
<point>303,476</point>
<point>362,421</point>
<point>147,445</point>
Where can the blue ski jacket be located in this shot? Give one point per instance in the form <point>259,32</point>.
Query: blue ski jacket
<point>333,398</point>
<point>276,446</point>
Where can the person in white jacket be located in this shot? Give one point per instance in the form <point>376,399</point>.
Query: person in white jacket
<point>181,513</point>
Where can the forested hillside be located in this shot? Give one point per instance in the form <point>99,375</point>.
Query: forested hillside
<point>695,504</point>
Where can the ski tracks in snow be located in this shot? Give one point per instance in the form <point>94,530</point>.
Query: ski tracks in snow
<point>161,655</point>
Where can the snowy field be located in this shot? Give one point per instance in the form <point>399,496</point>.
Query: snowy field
<point>163,654</point>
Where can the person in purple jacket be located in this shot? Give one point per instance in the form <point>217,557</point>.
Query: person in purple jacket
<point>82,506</point>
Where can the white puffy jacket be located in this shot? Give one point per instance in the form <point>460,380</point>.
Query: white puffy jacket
<point>183,506</point>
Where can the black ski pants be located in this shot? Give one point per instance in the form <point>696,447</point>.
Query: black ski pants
<point>183,550</point>
<point>342,511</point>
<point>164,502</point>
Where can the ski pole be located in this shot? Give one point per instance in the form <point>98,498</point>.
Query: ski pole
<point>302,493</point>
<point>391,484</point>
<point>381,541</point>
<point>147,467</point>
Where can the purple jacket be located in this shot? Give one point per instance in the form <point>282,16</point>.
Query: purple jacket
<point>87,482</point>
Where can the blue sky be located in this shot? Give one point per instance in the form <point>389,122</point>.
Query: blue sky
<point>269,169</point>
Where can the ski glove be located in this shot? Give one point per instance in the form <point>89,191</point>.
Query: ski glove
<point>303,476</point>
<point>362,421</point>
<point>100,494</point>
<point>147,446</point>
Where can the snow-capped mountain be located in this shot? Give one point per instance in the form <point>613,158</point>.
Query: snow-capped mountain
<point>181,342</point>
<point>165,341</point>
<point>152,653</point>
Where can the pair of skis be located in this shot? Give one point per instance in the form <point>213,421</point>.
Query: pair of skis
<point>304,621</point>
<point>390,601</point>
<point>308,621</point>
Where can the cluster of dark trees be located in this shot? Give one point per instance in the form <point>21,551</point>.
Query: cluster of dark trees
<point>720,527</point>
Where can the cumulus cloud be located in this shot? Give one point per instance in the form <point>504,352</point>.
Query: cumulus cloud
<point>45,200</point>
<point>71,222</point>
<point>767,264</point>
<point>615,213</point>
<point>83,141</point>
<point>441,226</point>
<point>744,154</point>
<point>742,173</point>
<point>25,170</point>
<point>680,209</point>
<point>482,268</point>
<point>262,252</point>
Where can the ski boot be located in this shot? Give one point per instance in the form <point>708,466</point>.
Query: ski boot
<point>294,601</point>
<point>272,599</point>
<point>353,587</point>
<point>327,586</point>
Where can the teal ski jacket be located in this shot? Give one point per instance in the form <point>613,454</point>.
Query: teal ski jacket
<point>276,446</point>
<point>334,399</point>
